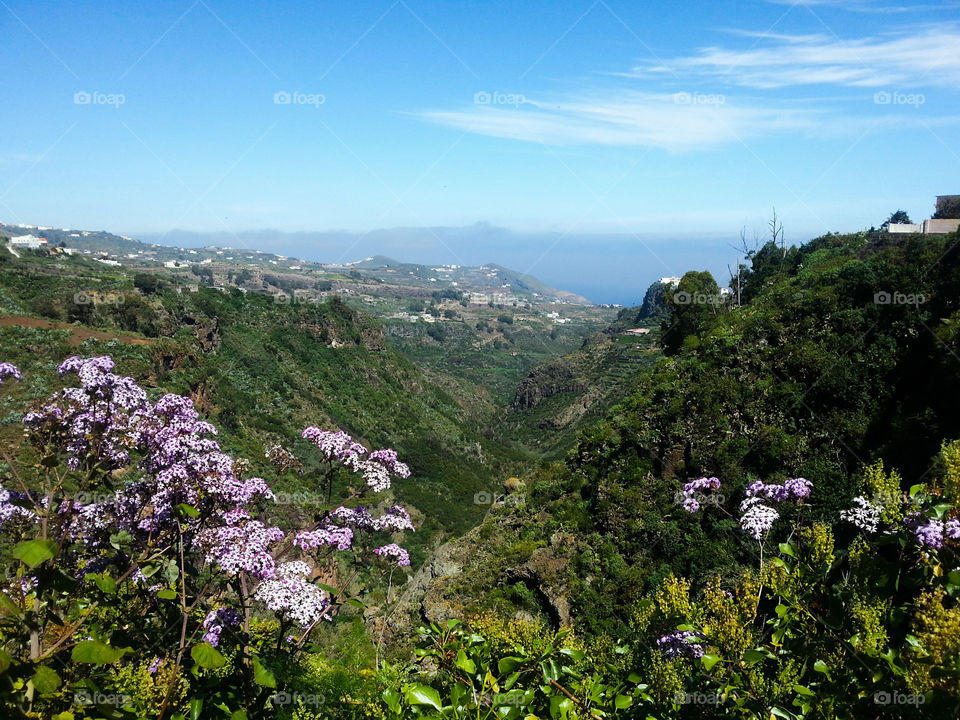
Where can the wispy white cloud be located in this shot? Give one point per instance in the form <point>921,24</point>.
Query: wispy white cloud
<point>676,122</point>
<point>925,57</point>
<point>870,6</point>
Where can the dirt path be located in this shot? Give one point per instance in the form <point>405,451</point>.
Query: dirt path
<point>77,334</point>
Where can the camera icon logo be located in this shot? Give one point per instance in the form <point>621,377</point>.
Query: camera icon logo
<point>483,498</point>
<point>81,98</point>
<point>481,98</point>
<point>682,298</point>
<point>882,698</point>
<point>281,98</point>
<point>281,698</point>
<point>682,98</point>
<point>881,98</point>
<point>82,298</point>
<point>882,298</point>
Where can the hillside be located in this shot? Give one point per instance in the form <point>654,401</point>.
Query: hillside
<point>812,377</point>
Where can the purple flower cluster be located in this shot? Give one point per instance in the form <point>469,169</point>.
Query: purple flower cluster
<point>793,488</point>
<point>682,643</point>
<point>756,519</point>
<point>394,550</point>
<point>98,421</point>
<point>377,467</point>
<point>218,619</point>
<point>952,529</point>
<point>926,531</point>
<point>697,488</point>
<point>292,595</point>
<point>241,547</point>
<point>8,510</point>
<point>9,370</point>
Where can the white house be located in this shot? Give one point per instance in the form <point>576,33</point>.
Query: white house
<point>31,242</point>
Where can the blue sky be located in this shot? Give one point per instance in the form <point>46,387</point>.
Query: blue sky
<point>621,130</point>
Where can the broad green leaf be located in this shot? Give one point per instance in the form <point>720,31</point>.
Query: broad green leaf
<point>5,661</point>
<point>8,606</point>
<point>94,652</point>
<point>196,707</point>
<point>821,667</point>
<point>754,655</point>
<point>709,661</point>
<point>622,702</point>
<point>263,676</point>
<point>509,664</point>
<point>465,663</point>
<point>35,552</point>
<point>207,656</point>
<point>121,539</point>
<point>575,655</point>
<point>187,510</point>
<point>422,695</point>
<point>788,549</point>
<point>167,594</point>
<point>392,698</point>
<point>560,706</point>
<point>106,583</point>
<point>803,690</point>
<point>46,680</point>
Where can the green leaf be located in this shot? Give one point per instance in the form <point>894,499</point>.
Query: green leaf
<point>803,690</point>
<point>35,552</point>
<point>167,594</point>
<point>392,698</point>
<point>821,667</point>
<point>5,661</point>
<point>508,664</point>
<point>422,695</point>
<point>560,706</point>
<point>356,603</point>
<point>46,680</point>
<point>94,652</point>
<point>8,606</point>
<point>622,702</point>
<point>754,655</point>
<point>106,583</point>
<point>196,707</point>
<point>263,676</point>
<point>788,549</point>
<point>207,656</point>
<point>121,539</point>
<point>465,663</point>
<point>709,661</point>
<point>575,655</point>
<point>239,715</point>
<point>188,510</point>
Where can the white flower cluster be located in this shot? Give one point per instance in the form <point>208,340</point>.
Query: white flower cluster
<point>757,518</point>
<point>293,595</point>
<point>865,515</point>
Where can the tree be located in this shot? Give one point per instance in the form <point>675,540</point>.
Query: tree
<point>896,218</point>
<point>692,305</point>
<point>147,283</point>
<point>948,208</point>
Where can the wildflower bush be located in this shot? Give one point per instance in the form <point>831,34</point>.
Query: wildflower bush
<point>854,619</point>
<point>139,571</point>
